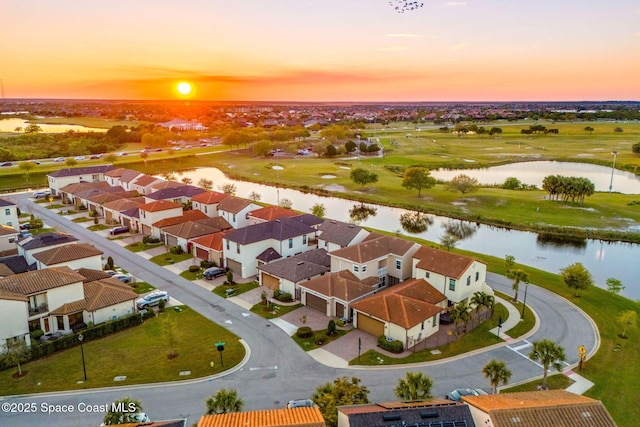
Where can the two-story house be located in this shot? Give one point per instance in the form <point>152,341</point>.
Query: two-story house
<point>286,274</point>
<point>14,318</point>
<point>8,239</point>
<point>81,255</point>
<point>334,235</point>
<point>150,213</point>
<point>385,257</point>
<point>9,214</point>
<point>112,210</point>
<point>208,202</point>
<point>143,184</point>
<point>235,210</point>
<point>190,215</point>
<point>182,234</point>
<point>30,246</point>
<point>285,236</point>
<point>63,177</point>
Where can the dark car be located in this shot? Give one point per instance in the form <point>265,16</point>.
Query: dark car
<point>95,156</point>
<point>119,230</point>
<point>4,164</point>
<point>213,272</point>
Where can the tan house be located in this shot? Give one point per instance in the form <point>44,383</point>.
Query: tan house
<point>144,184</point>
<point>150,213</point>
<point>76,256</point>
<point>545,408</point>
<point>69,193</point>
<point>407,312</point>
<point>293,417</point>
<point>63,177</point>
<point>8,239</point>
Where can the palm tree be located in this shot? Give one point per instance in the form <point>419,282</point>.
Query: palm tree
<point>224,401</point>
<point>414,386</point>
<point>480,300</point>
<point>549,354</point>
<point>517,276</point>
<point>497,372</point>
<point>461,313</point>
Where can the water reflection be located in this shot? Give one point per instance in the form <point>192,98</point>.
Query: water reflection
<point>460,230</point>
<point>415,222</point>
<point>553,240</point>
<point>361,212</point>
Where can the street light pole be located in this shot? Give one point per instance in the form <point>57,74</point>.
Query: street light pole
<point>613,168</point>
<point>84,368</point>
<point>524,302</point>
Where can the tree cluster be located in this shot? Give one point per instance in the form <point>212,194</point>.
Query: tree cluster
<point>565,188</point>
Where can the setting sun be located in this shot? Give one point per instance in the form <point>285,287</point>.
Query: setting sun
<point>184,88</point>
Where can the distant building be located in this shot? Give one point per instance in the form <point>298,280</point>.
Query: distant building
<point>183,125</point>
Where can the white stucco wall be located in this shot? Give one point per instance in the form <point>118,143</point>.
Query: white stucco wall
<point>13,320</point>
<point>64,294</point>
<point>115,311</point>
<point>9,216</point>
<point>94,263</point>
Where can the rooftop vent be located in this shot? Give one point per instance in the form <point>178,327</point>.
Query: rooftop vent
<point>392,416</point>
<point>429,413</point>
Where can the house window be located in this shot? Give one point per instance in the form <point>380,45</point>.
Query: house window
<point>435,321</point>
<point>364,268</point>
<point>290,243</point>
<point>477,275</point>
<point>426,274</point>
<point>452,284</point>
<point>356,268</point>
<point>304,239</point>
<point>227,245</point>
<point>238,248</point>
<point>7,211</point>
<point>422,325</point>
<point>398,264</point>
<point>205,209</point>
<point>11,240</point>
<point>234,217</point>
<point>468,280</point>
<point>60,320</point>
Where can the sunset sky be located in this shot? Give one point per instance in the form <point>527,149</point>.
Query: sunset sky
<point>321,50</point>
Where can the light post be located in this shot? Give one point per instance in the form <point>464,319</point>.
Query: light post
<point>524,301</point>
<point>84,368</point>
<point>613,168</point>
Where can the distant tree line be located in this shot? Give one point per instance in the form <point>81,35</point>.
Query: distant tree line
<point>564,188</point>
<point>538,129</point>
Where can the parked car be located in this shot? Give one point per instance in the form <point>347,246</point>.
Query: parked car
<point>455,395</point>
<point>299,403</point>
<point>6,164</point>
<point>213,272</point>
<point>59,159</point>
<point>111,272</point>
<point>158,150</point>
<point>95,156</point>
<point>119,230</point>
<point>41,194</point>
<point>126,278</point>
<point>152,299</point>
<point>79,157</point>
<point>25,226</point>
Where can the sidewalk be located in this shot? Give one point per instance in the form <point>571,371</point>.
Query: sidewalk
<point>510,323</point>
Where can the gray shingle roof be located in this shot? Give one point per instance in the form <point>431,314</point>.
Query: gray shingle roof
<point>339,233</point>
<point>280,229</point>
<point>46,239</point>
<point>87,170</point>
<point>171,193</point>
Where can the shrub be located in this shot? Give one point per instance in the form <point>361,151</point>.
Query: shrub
<point>320,339</point>
<point>230,277</point>
<point>176,250</point>
<point>35,335</point>
<point>394,346</point>
<point>110,263</point>
<point>194,268</point>
<point>208,264</point>
<point>340,322</point>
<point>331,327</point>
<point>304,332</point>
<point>282,296</point>
<point>145,239</point>
<point>161,305</point>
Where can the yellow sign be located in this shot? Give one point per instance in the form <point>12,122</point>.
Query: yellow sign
<point>583,352</point>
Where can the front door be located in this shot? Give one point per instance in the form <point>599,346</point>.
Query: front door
<point>46,325</point>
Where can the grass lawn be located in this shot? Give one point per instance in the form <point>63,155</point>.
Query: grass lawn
<point>168,258</point>
<point>554,382</point>
<point>240,288</point>
<point>142,287</point>
<point>82,219</point>
<point>98,227</point>
<point>311,343</point>
<point>274,310</point>
<point>452,346</point>
<point>140,246</point>
<point>139,353</point>
<point>192,275</point>
<point>55,206</point>
<point>525,324</point>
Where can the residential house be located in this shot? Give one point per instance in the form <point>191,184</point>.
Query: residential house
<point>208,202</point>
<point>190,215</point>
<point>14,318</point>
<point>112,210</point>
<point>96,202</point>
<point>287,417</point>
<point>30,246</point>
<point>181,124</point>
<point>68,193</point>
<point>286,274</point>
<point>333,293</point>
<point>407,312</point>
<point>63,177</point>
<point>182,234</point>
<point>13,264</point>
<point>285,236</point>
<point>210,248</point>
<point>456,276</point>
<point>8,239</point>
<point>270,213</point>
<point>150,213</point>
<point>385,257</point>
<point>433,413</point>
<point>334,235</point>
<point>544,408</point>
<point>122,177</point>
<point>113,176</point>
<point>235,210</point>
<point>76,256</point>
<point>310,220</point>
<point>131,218</point>
<point>143,184</point>
<point>9,214</point>
<point>181,195</point>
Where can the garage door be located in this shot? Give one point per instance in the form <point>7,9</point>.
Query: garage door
<point>339,310</point>
<point>202,253</point>
<point>234,266</point>
<point>370,325</point>
<point>269,281</point>
<point>316,302</point>
<point>171,240</point>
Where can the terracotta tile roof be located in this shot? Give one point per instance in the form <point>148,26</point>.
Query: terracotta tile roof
<point>85,186</point>
<point>209,197</point>
<point>339,233</point>
<point>5,270</point>
<point>145,180</point>
<point>576,415</point>
<point>440,413</point>
<point>69,308</point>
<point>33,282</point>
<point>129,175</point>
<point>159,205</point>
<point>211,241</point>
<point>269,213</point>
<point>103,198</point>
<point>162,184</point>
<point>92,275</point>
<point>107,292</point>
<point>189,230</point>
<point>67,253</point>
<point>374,246</point>
<point>117,172</point>
<point>6,230</point>
<point>405,304</point>
<point>526,399</point>
<point>216,222</point>
<point>186,216</point>
<point>442,262</point>
<point>124,204</point>
<point>233,204</point>
<point>294,417</point>
<point>14,296</point>
<point>343,285</point>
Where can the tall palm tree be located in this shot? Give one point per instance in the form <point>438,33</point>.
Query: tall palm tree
<point>224,401</point>
<point>517,276</point>
<point>461,313</point>
<point>497,372</point>
<point>549,354</point>
<point>414,386</point>
<point>478,300</point>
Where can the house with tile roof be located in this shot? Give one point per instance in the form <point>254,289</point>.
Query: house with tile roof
<point>150,213</point>
<point>435,413</point>
<point>190,215</point>
<point>182,234</point>
<point>544,408</point>
<point>30,246</point>
<point>143,184</point>
<point>180,194</point>
<point>407,312</point>
<point>235,210</point>
<point>208,202</point>
<point>458,277</point>
<point>333,293</point>
<point>334,235</point>
<point>8,238</point>
<point>9,214</point>
<point>96,202</point>
<point>286,274</point>
<point>270,213</point>
<point>210,248</point>
<point>13,264</point>
<point>385,257</point>
<point>286,236</point>
<point>81,255</point>
<point>112,210</point>
<point>63,177</point>
<point>293,417</point>
<point>69,192</point>
<point>122,177</point>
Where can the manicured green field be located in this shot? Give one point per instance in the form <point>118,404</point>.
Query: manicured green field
<point>139,353</point>
<point>168,258</point>
<point>274,310</point>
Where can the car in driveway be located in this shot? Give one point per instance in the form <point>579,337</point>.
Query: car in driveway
<point>152,299</point>
<point>41,194</point>
<point>213,272</point>
<point>118,230</point>
<point>457,394</point>
<point>123,277</point>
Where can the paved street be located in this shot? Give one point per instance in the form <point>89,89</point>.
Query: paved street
<point>277,370</point>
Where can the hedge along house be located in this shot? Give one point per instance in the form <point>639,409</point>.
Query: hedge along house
<point>407,312</point>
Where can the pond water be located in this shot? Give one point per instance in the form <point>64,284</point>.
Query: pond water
<point>9,125</point>
<point>602,259</point>
<point>532,173</point>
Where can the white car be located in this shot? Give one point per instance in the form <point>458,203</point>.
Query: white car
<point>126,278</point>
<point>152,299</point>
<point>79,157</point>
<point>59,159</point>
